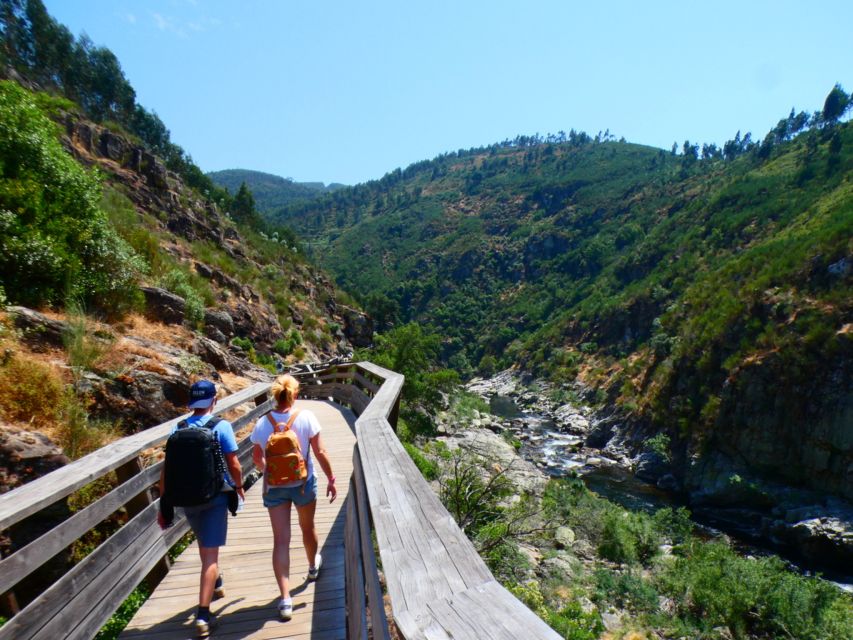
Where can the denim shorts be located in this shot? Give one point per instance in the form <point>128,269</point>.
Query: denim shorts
<point>209,521</point>
<point>300,496</point>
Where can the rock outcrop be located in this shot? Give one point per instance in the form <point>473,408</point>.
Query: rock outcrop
<point>26,455</point>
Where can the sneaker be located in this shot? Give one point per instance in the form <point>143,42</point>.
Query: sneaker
<point>285,609</point>
<point>314,572</point>
<point>204,626</point>
<point>218,588</point>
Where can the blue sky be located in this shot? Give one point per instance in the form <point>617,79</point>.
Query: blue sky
<point>347,91</point>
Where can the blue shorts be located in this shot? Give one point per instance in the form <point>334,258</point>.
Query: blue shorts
<point>300,496</point>
<point>209,521</point>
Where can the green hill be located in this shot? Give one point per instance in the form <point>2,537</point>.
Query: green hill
<point>271,192</point>
<point>710,296</point>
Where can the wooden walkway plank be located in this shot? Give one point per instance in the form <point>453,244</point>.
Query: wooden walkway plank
<point>249,609</point>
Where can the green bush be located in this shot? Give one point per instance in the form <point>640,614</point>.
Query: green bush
<point>427,467</point>
<point>712,586</point>
<point>629,537</point>
<point>573,624</point>
<point>54,240</point>
<point>627,590</point>
<point>178,283</point>
<point>244,343</point>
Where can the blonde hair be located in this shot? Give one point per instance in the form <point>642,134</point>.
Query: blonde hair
<point>284,390</point>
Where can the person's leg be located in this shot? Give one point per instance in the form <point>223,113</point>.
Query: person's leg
<point>280,520</point>
<point>309,530</point>
<point>209,573</point>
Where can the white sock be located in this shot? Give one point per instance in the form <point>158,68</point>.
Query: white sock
<point>286,601</point>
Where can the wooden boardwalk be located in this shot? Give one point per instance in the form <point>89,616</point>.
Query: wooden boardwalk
<point>249,608</point>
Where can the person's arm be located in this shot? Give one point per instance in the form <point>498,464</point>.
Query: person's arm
<point>236,471</point>
<point>323,459</point>
<point>258,457</point>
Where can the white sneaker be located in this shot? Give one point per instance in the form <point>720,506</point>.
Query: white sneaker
<point>285,609</point>
<point>314,572</point>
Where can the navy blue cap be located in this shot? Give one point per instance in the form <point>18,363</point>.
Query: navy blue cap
<point>202,394</point>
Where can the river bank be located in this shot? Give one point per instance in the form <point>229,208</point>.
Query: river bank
<point>561,435</point>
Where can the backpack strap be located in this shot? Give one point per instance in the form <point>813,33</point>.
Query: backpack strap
<point>287,425</point>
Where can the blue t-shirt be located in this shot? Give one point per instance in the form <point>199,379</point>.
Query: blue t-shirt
<point>224,431</point>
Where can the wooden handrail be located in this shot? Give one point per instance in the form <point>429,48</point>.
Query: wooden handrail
<point>34,496</point>
<point>438,585</point>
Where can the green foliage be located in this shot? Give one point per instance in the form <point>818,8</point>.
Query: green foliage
<point>412,351</point>
<point>83,349</point>
<point>712,586</point>
<point>554,254</point>
<point>178,282</point>
<point>78,433</point>
<point>127,223</point>
<point>46,52</point>
<point>626,589</point>
<point>629,537</point>
<point>244,343</point>
<point>270,191</point>
<point>573,624</point>
<point>659,444</point>
<point>54,240</point>
<point>674,524</point>
<point>427,467</point>
<point>124,614</point>
<point>472,494</point>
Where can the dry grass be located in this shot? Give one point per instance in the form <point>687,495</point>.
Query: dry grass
<point>30,391</point>
<point>169,334</point>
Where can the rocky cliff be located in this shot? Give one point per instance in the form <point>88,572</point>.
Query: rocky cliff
<point>263,307</point>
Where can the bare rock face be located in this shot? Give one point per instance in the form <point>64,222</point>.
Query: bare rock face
<point>213,354</point>
<point>358,327</point>
<point>218,326</point>
<point>25,456</point>
<point>497,451</point>
<point>38,330</point>
<point>163,306</point>
<point>257,321</point>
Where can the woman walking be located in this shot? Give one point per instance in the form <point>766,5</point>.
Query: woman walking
<point>302,492</point>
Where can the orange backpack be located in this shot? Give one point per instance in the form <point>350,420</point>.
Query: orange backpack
<point>285,464</point>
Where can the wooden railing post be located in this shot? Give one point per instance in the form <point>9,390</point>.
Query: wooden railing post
<point>394,415</point>
<point>136,505</point>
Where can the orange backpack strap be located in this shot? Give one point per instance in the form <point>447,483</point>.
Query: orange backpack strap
<point>287,425</point>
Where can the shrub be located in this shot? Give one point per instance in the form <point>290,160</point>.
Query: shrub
<point>82,349</point>
<point>629,537</point>
<point>54,240</point>
<point>573,624</point>
<point>713,586</point>
<point>626,590</point>
<point>178,283</point>
<point>30,389</point>
<point>244,343</point>
<point>78,434</point>
<point>427,467</point>
<point>659,444</point>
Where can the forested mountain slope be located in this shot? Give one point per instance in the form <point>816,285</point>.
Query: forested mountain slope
<point>708,295</point>
<point>270,191</point>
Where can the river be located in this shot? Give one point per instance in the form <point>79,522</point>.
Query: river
<point>559,454</point>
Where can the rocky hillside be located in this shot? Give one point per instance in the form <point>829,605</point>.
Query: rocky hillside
<point>204,298</point>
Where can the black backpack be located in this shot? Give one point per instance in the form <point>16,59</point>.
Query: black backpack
<point>194,464</point>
